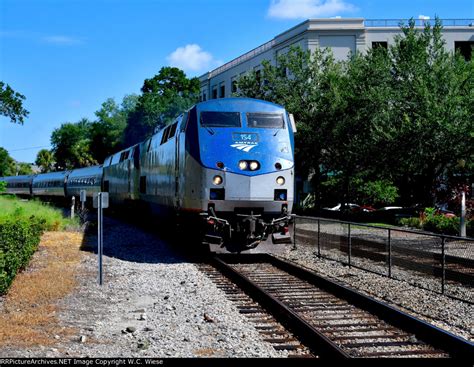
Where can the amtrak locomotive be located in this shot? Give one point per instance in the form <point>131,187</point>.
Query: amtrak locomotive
<point>227,164</point>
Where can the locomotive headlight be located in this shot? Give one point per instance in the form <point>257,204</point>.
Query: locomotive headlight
<point>243,165</point>
<point>280,181</point>
<point>253,165</point>
<point>217,180</point>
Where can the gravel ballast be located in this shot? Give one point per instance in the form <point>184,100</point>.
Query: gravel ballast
<point>152,304</point>
<point>447,313</point>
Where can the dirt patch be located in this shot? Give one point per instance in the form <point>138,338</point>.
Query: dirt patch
<point>28,313</point>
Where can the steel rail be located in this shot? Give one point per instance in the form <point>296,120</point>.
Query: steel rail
<point>448,342</point>
<point>309,335</point>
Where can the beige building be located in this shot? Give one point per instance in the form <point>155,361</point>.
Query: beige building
<point>342,35</point>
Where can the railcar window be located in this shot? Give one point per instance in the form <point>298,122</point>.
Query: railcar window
<point>265,120</point>
<point>220,119</point>
<point>164,138</point>
<point>173,130</point>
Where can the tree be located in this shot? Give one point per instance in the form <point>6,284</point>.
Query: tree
<point>11,104</point>
<point>106,133</point>
<point>24,168</point>
<point>45,160</point>
<point>433,114</point>
<point>381,124</point>
<point>71,145</point>
<point>308,85</point>
<point>7,164</point>
<point>163,97</point>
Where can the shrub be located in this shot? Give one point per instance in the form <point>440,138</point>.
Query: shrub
<point>411,222</point>
<point>19,239</point>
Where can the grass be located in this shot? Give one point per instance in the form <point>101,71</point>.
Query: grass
<point>13,207</point>
<point>29,312</point>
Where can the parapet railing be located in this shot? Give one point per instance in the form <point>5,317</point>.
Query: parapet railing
<point>418,22</point>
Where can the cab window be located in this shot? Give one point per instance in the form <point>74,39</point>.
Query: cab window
<point>220,119</point>
<point>265,120</point>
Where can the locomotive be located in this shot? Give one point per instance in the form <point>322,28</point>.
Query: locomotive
<point>225,167</point>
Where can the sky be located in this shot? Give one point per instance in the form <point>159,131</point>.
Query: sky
<point>68,56</point>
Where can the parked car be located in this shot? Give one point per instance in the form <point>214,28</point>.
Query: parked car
<point>351,207</point>
<point>446,213</point>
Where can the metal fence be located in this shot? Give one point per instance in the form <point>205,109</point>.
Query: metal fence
<point>443,264</point>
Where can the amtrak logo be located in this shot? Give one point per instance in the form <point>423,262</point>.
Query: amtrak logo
<point>245,147</point>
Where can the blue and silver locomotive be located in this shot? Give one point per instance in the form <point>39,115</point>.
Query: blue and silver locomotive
<point>225,164</point>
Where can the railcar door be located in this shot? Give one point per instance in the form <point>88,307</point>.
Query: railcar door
<point>134,173</point>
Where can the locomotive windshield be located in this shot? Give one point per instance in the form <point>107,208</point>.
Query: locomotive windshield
<point>265,120</point>
<point>220,119</point>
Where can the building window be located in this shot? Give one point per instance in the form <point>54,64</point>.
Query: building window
<point>465,48</point>
<point>234,86</point>
<point>222,91</point>
<point>204,97</point>
<point>214,93</point>
<point>381,44</point>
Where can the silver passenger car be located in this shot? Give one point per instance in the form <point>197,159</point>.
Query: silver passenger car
<point>88,179</point>
<point>50,184</point>
<point>19,185</point>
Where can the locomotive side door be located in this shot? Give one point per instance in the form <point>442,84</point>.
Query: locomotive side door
<point>179,159</point>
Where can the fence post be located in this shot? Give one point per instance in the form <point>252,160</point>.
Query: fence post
<point>443,264</point>
<point>319,237</point>
<point>389,253</point>
<point>349,242</point>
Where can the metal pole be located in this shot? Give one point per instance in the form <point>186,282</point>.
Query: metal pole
<point>99,235</point>
<point>319,238</point>
<point>462,229</point>
<point>443,264</point>
<point>349,243</point>
<point>294,232</point>
<point>73,204</point>
<point>389,253</point>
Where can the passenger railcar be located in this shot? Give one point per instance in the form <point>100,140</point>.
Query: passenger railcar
<point>88,179</point>
<point>19,185</point>
<point>50,184</point>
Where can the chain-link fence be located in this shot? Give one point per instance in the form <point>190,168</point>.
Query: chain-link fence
<point>443,264</point>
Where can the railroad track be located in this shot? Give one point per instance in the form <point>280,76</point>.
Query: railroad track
<point>269,328</point>
<point>325,318</point>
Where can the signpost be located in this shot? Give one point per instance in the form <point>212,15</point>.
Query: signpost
<point>100,201</point>
<point>82,198</point>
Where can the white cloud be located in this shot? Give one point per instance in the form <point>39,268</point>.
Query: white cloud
<point>61,40</point>
<point>191,58</point>
<point>294,9</point>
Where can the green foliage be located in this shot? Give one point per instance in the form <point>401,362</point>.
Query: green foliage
<point>71,145</point>
<point>13,209</point>
<point>106,133</point>
<point>3,186</point>
<point>24,169</point>
<point>385,120</point>
<point>19,239</point>
<point>377,192</point>
<point>45,160</point>
<point>7,164</point>
<point>11,104</point>
<point>433,222</point>
<point>411,222</point>
<point>164,96</point>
